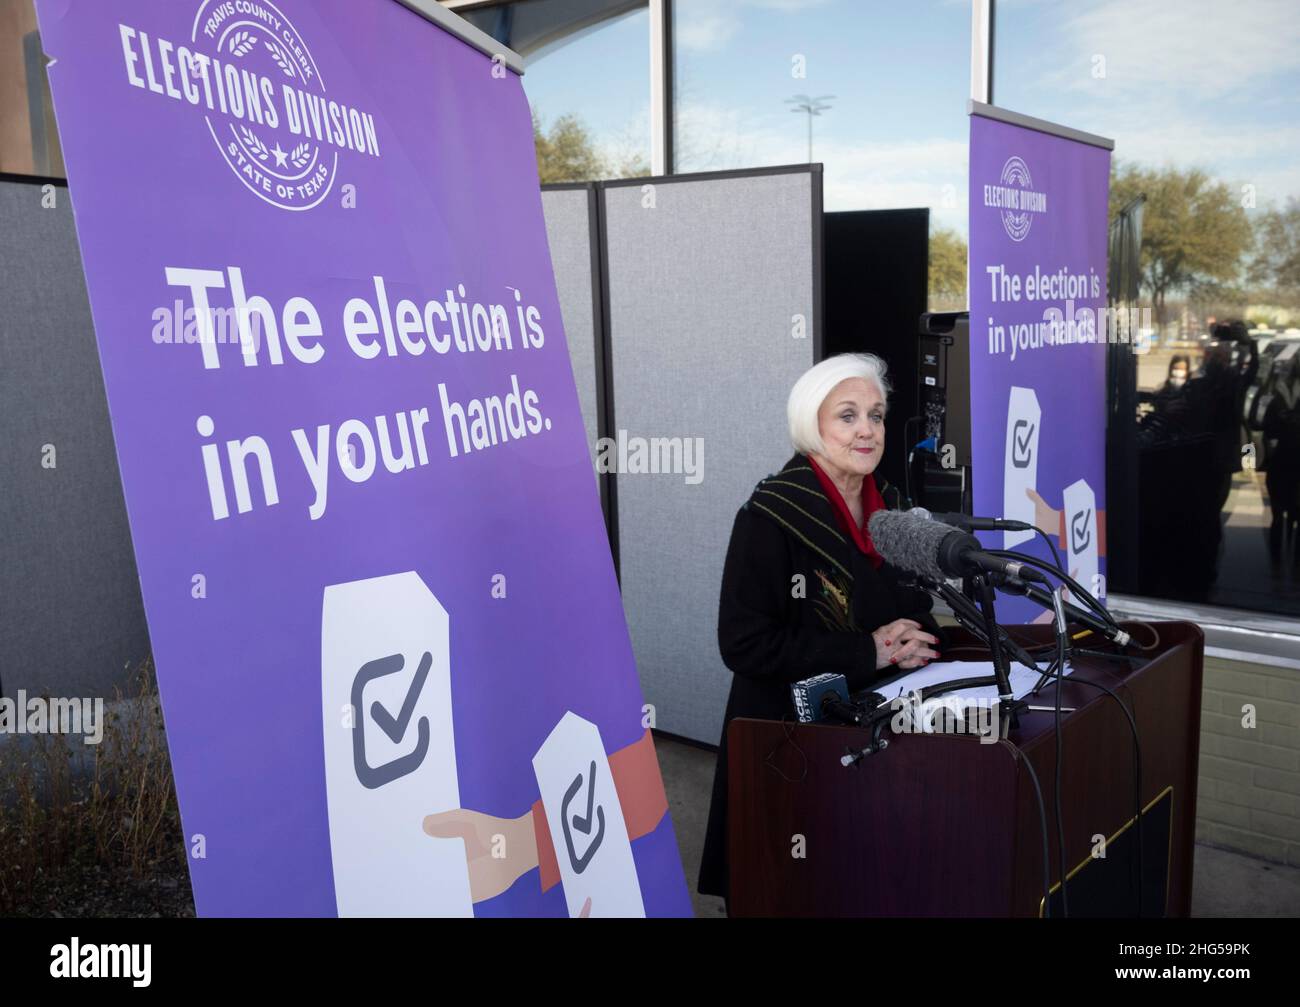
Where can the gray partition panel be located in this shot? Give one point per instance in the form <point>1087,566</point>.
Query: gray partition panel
<point>71,618</point>
<point>705,277</point>
<point>570,229</point>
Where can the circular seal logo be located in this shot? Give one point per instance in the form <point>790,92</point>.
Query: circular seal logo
<point>1016,219</point>
<point>267,108</point>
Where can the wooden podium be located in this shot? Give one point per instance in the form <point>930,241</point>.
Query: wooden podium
<point>947,825</point>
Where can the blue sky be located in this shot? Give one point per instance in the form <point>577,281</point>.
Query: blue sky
<point>1199,82</point>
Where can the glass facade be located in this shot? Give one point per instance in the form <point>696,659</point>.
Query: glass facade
<point>587,79</point>
<point>1203,103</point>
<point>29,143</point>
<point>874,91</point>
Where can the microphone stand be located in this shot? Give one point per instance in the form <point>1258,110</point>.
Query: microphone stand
<point>981,621</point>
<point>1010,707</point>
<point>1073,613</point>
<point>984,627</point>
<point>970,618</point>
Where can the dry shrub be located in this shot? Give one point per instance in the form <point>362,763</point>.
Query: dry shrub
<point>91,829</point>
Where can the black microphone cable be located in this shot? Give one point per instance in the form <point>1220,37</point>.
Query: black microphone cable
<point>1137,775</point>
<point>1097,607</point>
<point>1056,556</point>
<point>1033,779</point>
<point>1085,596</point>
<point>787,729</point>
<point>1042,822</point>
<point>1059,666</point>
<point>907,465</point>
<point>1137,763</point>
<point>1061,632</point>
<point>964,610</point>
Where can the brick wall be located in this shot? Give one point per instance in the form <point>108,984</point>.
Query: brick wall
<point>1249,789</point>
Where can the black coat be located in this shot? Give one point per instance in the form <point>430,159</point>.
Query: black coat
<point>770,637</point>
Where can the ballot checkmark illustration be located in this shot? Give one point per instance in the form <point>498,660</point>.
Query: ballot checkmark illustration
<point>1081,536</point>
<point>373,777</point>
<point>583,824</point>
<point>395,727</point>
<point>1022,437</point>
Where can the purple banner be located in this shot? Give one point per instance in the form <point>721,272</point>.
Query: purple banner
<point>392,657</point>
<point>1038,225</point>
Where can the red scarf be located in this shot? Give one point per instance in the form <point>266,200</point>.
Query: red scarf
<point>872,501</point>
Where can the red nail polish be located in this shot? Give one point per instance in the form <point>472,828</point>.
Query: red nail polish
<point>888,642</point>
<point>893,660</point>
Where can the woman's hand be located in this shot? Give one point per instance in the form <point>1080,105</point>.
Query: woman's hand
<point>903,644</point>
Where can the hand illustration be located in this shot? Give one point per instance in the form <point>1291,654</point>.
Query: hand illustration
<point>1046,517</point>
<point>1052,521</point>
<point>497,850</point>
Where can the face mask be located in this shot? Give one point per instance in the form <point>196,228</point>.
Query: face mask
<point>1177,378</point>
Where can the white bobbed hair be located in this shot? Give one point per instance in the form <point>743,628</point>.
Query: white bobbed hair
<point>810,391</point>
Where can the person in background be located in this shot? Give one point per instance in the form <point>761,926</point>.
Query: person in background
<point>1282,426</point>
<point>1180,368</point>
<point>1168,418</point>
<point>1215,399</point>
<point>1218,394</point>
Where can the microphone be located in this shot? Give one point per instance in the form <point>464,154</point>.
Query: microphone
<point>822,698</point>
<point>967,523</point>
<point>1073,613</point>
<point>936,550</point>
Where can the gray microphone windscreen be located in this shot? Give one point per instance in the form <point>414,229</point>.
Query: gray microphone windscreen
<point>908,542</point>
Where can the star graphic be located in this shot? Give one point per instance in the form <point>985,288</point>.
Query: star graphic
<point>280,156</point>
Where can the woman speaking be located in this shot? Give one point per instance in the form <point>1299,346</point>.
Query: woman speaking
<point>803,590</point>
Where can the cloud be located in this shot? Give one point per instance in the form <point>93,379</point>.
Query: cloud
<point>709,25</point>
<point>859,175</point>
<point>871,176</point>
<point>705,32</point>
<point>1201,84</point>
<point>1230,149</point>
<point>1203,49</point>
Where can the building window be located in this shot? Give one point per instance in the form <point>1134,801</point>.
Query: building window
<point>587,79</point>
<point>1203,109</point>
<point>29,143</point>
<point>876,92</point>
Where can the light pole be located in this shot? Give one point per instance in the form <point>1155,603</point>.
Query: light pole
<point>811,107</point>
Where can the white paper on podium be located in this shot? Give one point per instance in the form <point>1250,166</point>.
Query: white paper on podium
<point>1020,466</point>
<point>1022,680</point>
<point>385,654</point>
